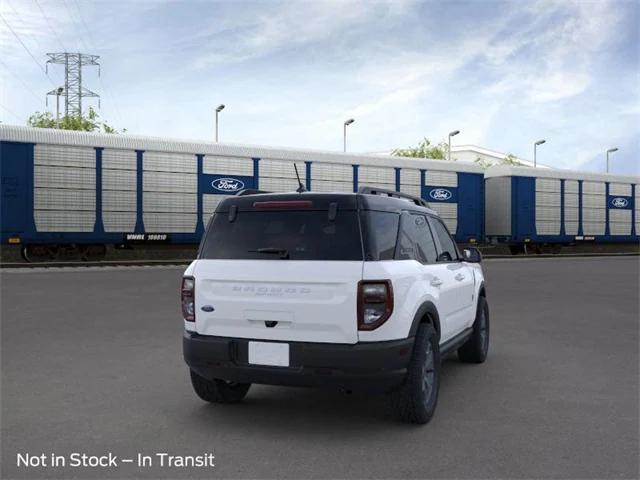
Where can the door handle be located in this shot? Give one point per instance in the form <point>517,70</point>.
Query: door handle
<point>436,282</point>
<point>459,277</point>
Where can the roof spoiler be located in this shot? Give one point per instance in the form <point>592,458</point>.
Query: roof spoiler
<point>392,193</point>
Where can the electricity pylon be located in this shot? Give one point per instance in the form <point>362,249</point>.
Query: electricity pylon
<point>73,91</point>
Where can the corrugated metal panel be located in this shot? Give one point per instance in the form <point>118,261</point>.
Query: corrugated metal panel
<point>571,186</point>
<point>325,186</point>
<point>119,221</point>
<point>130,142</point>
<point>571,228</point>
<point>498,206</point>
<point>119,159</point>
<point>169,162</point>
<point>214,164</point>
<point>119,180</point>
<point>64,188</point>
<point>279,184</point>
<point>64,199</point>
<point>64,177</point>
<point>376,176</point>
<point>593,228</point>
<point>118,201</point>
<point>414,190</point>
<point>331,171</point>
<point>594,187</point>
<point>64,221</point>
<point>410,176</point>
<point>620,221</point>
<point>547,185</point>
<point>169,182</point>
<point>170,222</point>
<point>571,218</point>
<point>64,156</point>
<point>507,171</point>
<point>170,202</point>
<point>594,201</point>
<point>441,179</point>
<point>210,202</point>
<point>547,206</point>
<point>571,204</point>
<point>280,169</point>
<point>620,189</point>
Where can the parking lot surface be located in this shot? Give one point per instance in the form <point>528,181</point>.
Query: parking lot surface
<point>92,362</point>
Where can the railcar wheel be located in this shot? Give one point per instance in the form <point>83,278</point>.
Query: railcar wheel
<point>40,253</point>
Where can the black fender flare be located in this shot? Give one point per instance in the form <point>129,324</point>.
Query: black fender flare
<point>482,292</point>
<point>426,309</point>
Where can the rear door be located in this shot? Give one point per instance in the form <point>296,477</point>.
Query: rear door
<point>457,280</point>
<point>289,275</point>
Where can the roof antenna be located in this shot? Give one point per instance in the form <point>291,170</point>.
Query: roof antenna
<point>300,188</point>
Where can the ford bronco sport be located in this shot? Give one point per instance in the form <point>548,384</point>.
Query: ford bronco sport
<point>357,291</point>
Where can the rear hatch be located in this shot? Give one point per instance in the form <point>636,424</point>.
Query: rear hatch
<point>281,270</point>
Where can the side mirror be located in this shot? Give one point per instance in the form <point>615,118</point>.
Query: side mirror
<point>444,257</point>
<point>472,255</point>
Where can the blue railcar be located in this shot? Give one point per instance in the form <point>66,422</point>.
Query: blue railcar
<point>527,207</point>
<point>80,190</point>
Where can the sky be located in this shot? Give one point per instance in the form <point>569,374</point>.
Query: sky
<point>503,73</point>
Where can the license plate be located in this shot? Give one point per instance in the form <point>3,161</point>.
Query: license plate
<point>269,353</point>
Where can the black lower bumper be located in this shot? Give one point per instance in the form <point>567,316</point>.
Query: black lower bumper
<point>374,366</point>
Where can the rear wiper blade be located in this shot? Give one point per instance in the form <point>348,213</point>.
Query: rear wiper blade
<point>283,252</point>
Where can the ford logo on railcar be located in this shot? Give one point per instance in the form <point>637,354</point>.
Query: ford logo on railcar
<point>440,194</point>
<point>619,202</point>
<point>228,184</point>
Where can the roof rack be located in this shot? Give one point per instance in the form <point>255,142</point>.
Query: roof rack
<point>250,191</point>
<point>391,193</point>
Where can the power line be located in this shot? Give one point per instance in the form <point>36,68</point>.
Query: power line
<point>27,49</point>
<point>11,112</point>
<point>24,84</point>
<point>75,22</point>
<point>102,84</point>
<point>50,27</point>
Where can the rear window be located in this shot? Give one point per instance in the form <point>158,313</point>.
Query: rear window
<point>380,234</point>
<point>279,235</point>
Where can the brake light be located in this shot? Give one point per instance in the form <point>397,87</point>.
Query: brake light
<point>283,204</point>
<point>375,303</point>
<point>188,294</point>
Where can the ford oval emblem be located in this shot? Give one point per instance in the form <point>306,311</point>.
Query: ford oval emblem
<point>440,194</point>
<point>228,184</point>
<point>619,202</point>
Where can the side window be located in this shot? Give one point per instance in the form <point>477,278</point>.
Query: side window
<point>380,234</point>
<point>448,251</point>
<point>415,241</point>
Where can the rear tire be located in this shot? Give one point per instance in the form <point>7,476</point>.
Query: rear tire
<point>415,401</point>
<point>476,348</point>
<point>218,391</point>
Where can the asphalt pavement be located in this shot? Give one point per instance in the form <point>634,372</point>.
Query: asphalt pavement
<point>92,363</point>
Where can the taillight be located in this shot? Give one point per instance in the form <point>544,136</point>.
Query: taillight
<point>188,294</point>
<point>375,303</point>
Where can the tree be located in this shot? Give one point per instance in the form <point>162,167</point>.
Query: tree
<point>89,123</point>
<point>424,150</point>
<point>510,160</point>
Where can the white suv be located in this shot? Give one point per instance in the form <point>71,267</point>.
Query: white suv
<point>357,291</point>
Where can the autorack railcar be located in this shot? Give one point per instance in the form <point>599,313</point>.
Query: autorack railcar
<point>81,191</point>
<point>529,209</point>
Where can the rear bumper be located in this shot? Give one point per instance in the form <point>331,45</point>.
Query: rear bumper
<point>374,366</point>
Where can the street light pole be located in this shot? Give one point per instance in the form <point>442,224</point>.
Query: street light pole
<point>451,134</point>
<point>344,133</point>
<point>59,91</point>
<point>611,150</point>
<point>535,152</point>
<point>218,110</point>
